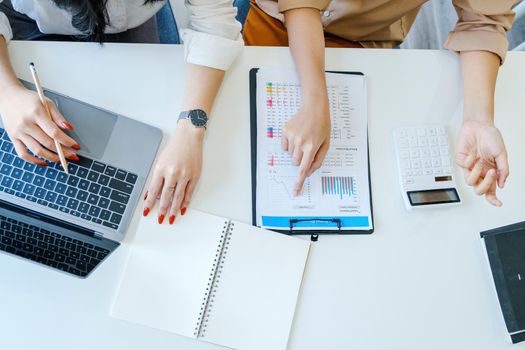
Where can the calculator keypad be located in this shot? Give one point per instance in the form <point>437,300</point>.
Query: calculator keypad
<point>423,151</point>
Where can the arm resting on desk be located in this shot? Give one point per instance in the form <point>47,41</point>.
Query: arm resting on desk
<point>178,168</point>
<point>212,43</point>
<point>481,151</point>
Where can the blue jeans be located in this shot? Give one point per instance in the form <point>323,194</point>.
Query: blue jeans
<point>243,6</point>
<point>516,34</point>
<point>161,28</point>
<point>167,26</point>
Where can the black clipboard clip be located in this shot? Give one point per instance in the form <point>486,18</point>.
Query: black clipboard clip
<point>315,236</point>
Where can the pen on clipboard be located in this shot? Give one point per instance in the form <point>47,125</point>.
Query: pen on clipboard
<point>60,152</point>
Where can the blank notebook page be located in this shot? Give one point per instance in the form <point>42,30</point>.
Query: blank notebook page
<point>257,290</point>
<point>167,273</point>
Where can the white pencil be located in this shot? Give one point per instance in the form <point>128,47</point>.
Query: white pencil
<point>58,146</point>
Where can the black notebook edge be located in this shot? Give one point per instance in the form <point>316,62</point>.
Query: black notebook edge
<point>253,140</point>
<point>517,337</point>
<point>503,229</point>
<point>516,334</point>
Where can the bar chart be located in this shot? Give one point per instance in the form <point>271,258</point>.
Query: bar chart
<point>338,186</point>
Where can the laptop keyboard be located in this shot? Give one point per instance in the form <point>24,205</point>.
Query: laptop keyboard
<point>49,248</point>
<point>93,191</point>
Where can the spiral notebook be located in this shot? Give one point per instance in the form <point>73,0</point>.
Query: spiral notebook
<point>213,279</point>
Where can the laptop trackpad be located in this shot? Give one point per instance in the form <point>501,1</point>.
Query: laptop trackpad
<point>93,127</point>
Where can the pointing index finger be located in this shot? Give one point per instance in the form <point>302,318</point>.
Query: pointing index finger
<point>306,162</point>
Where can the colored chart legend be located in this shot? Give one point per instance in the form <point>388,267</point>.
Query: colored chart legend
<point>338,186</point>
<point>275,89</point>
<point>269,132</point>
<point>271,160</point>
<point>278,159</point>
<point>269,93</point>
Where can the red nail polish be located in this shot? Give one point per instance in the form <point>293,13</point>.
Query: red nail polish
<point>145,212</point>
<point>42,164</point>
<point>183,211</point>
<point>66,125</point>
<point>76,147</point>
<point>172,219</point>
<point>74,157</point>
<point>146,195</point>
<point>161,218</point>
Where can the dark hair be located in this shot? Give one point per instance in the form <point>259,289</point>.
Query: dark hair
<point>89,16</point>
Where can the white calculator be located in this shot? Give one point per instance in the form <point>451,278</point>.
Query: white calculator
<point>425,166</point>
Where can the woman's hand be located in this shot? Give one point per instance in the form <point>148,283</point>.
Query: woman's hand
<point>29,126</point>
<point>176,172</point>
<point>482,154</point>
<point>306,137</point>
<point>480,150</point>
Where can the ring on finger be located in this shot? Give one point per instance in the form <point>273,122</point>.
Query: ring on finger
<point>170,189</point>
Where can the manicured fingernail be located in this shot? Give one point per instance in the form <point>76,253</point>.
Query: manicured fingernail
<point>66,125</point>
<point>74,157</point>
<point>145,212</point>
<point>183,211</point>
<point>42,164</point>
<point>172,219</point>
<point>76,147</point>
<point>146,195</point>
<point>161,218</point>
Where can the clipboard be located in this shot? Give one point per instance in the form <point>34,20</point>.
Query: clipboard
<point>314,233</point>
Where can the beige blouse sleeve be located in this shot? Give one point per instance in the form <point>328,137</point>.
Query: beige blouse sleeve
<point>481,26</point>
<point>285,5</point>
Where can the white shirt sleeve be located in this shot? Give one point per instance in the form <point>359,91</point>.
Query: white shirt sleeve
<point>213,38</point>
<point>5,27</point>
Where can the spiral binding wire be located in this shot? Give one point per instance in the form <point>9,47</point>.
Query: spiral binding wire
<point>214,279</point>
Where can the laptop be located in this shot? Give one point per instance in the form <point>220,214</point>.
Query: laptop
<point>73,222</point>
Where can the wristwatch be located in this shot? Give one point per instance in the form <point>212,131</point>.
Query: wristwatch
<point>197,117</point>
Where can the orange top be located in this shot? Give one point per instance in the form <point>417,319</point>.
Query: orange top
<point>481,25</point>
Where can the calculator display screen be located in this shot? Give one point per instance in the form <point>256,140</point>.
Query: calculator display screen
<point>441,196</point>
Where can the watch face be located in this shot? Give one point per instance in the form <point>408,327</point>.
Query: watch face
<point>198,117</point>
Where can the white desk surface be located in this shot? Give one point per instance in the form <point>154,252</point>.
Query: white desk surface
<point>419,282</point>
